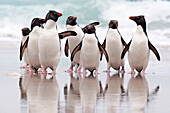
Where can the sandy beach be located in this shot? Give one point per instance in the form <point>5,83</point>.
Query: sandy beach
<point>70,93</point>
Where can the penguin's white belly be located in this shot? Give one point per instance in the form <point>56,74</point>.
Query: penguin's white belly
<point>74,41</point>
<point>138,55</point>
<point>32,51</point>
<point>90,55</point>
<point>49,49</point>
<point>114,49</point>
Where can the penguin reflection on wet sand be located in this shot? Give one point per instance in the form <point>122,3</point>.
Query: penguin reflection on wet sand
<point>32,44</point>
<point>139,47</point>
<point>138,92</point>
<point>48,96</point>
<point>89,90</point>
<point>112,93</point>
<point>49,43</point>
<point>114,44</point>
<point>25,35</point>
<point>73,104</point>
<point>73,41</point>
<point>32,86</point>
<point>90,50</point>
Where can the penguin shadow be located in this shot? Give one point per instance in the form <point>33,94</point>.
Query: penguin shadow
<point>112,92</point>
<point>41,94</point>
<point>72,94</point>
<point>48,95</point>
<point>138,92</point>
<point>89,92</point>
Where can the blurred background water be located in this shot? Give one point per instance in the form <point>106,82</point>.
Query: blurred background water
<point>16,14</point>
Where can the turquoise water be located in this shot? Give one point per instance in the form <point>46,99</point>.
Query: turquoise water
<point>18,14</point>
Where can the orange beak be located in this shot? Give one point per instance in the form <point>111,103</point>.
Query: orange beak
<point>59,14</point>
<point>132,17</point>
<point>75,18</point>
<point>115,22</point>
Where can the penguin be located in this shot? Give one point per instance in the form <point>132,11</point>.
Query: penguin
<point>114,45</point>
<point>49,43</point>
<point>91,50</point>
<point>32,44</point>
<point>72,41</point>
<point>139,47</point>
<point>25,34</point>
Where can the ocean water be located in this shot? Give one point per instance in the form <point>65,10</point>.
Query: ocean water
<point>16,14</point>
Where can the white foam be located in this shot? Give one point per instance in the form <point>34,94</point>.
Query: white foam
<point>15,17</point>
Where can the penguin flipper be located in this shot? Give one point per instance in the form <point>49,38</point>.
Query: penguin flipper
<point>103,45</point>
<point>76,49</point>
<point>66,48</point>
<point>151,47</point>
<point>125,49</point>
<point>95,23</point>
<point>22,48</point>
<point>122,40</point>
<point>20,51</point>
<point>67,33</point>
<point>102,50</point>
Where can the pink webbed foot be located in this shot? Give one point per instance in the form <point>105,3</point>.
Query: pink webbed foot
<point>71,74</point>
<point>43,70</point>
<point>54,73</point>
<point>84,72</point>
<point>123,69</point>
<point>132,73</point>
<point>143,73</point>
<point>31,70</point>
<point>108,70</point>
<point>96,73</point>
<point>24,66</point>
<point>70,69</point>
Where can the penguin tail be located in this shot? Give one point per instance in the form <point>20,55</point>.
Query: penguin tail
<point>138,70</point>
<point>91,72</point>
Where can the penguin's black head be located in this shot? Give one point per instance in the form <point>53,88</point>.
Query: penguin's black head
<point>37,22</point>
<point>25,31</point>
<point>89,29</point>
<point>53,15</point>
<point>140,20</point>
<point>113,24</point>
<point>71,20</point>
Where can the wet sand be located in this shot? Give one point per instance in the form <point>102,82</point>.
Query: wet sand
<point>73,93</point>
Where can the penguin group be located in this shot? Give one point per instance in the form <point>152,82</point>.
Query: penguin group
<point>41,46</point>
